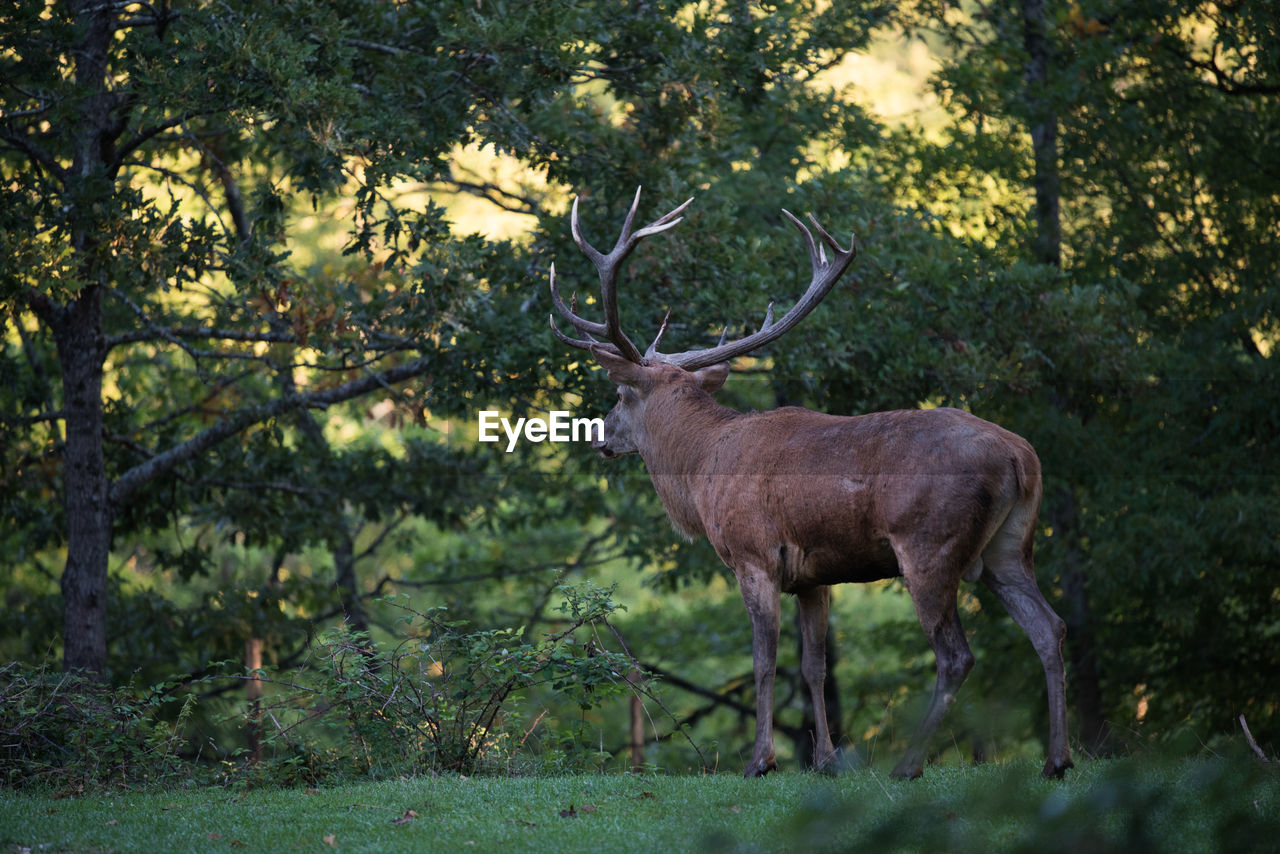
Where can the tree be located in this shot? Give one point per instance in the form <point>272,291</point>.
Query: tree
<point>149,155</point>
<point>1168,215</point>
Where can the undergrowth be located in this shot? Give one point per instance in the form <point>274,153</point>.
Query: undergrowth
<point>61,729</point>
<point>442,699</point>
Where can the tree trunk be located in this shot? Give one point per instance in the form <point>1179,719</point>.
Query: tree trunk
<point>253,694</point>
<point>77,329</point>
<point>345,577</point>
<point>1048,250</point>
<point>78,334</point>
<point>1044,135</point>
<point>636,730</point>
<point>1095,734</point>
<point>342,544</point>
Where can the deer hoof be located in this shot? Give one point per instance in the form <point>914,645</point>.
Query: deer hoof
<point>1056,767</point>
<point>832,764</point>
<point>905,770</point>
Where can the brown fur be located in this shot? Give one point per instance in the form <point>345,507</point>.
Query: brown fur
<point>794,501</point>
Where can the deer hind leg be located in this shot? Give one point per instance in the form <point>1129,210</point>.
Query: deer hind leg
<point>935,604</point>
<point>814,606</point>
<point>763,600</point>
<point>1011,578</point>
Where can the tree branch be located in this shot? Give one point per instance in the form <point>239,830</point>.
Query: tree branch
<point>1224,82</point>
<point>693,688</point>
<point>43,307</point>
<point>230,189</point>
<point>35,153</point>
<point>1249,738</point>
<point>141,474</point>
<point>28,420</point>
<point>495,195</point>
<point>156,333</point>
<point>382,536</point>
<point>143,136</point>
<point>200,191</point>
<point>375,47</point>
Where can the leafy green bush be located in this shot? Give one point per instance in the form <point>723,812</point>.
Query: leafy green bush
<point>442,699</point>
<point>439,700</point>
<point>63,730</point>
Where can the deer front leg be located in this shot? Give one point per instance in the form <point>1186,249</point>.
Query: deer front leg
<point>762,597</point>
<point>814,606</point>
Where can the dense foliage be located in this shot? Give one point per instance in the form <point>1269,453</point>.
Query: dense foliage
<point>1161,450</point>
<point>448,697</point>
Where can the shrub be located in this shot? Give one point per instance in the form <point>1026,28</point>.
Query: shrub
<point>67,731</point>
<point>439,700</point>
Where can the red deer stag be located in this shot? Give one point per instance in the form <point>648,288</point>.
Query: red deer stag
<point>794,501</point>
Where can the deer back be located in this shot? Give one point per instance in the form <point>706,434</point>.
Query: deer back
<point>824,496</point>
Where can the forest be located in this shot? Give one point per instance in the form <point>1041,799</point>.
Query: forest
<point>263,266</point>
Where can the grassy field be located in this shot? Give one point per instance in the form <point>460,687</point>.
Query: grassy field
<point>1131,806</point>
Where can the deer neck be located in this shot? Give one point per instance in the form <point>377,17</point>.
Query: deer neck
<point>682,426</point>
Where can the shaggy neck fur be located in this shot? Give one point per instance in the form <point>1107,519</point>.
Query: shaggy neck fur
<point>681,435</point>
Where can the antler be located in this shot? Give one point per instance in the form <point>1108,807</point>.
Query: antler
<point>825,275</point>
<point>608,266</point>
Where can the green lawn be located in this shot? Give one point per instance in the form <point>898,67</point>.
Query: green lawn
<point>1131,806</point>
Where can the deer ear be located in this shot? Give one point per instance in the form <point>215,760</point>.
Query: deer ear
<point>713,377</point>
<point>622,371</point>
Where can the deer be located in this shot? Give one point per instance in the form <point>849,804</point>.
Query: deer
<point>794,501</point>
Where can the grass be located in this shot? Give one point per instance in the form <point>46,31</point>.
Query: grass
<point>1131,806</point>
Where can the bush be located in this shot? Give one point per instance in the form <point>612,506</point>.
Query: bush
<point>440,700</point>
<point>66,731</point>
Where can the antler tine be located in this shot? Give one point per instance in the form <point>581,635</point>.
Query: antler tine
<point>668,220</point>
<point>825,275</point>
<point>625,235</point>
<point>576,230</point>
<point>607,268</point>
<point>827,238</point>
<point>652,352</point>
<point>628,241</point>
<point>817,256</point>
<point>581,343</point>
<point>569,312</point>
